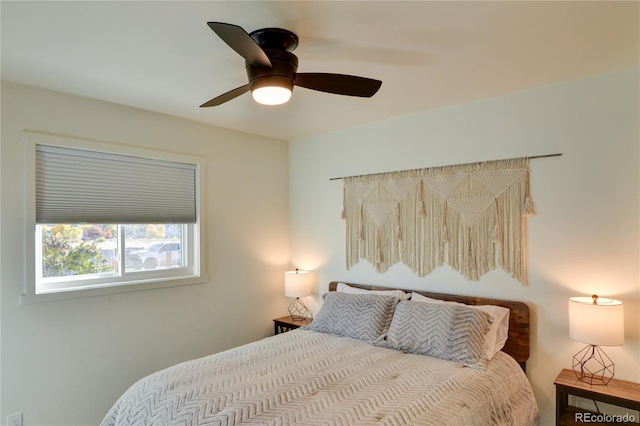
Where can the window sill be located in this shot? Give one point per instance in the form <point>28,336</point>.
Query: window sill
<point>110,290</point>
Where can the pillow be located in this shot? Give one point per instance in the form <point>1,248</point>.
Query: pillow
<point>442,330</point>
<point>360,316</point>
<point>499,331</point>
<point>344,288</point>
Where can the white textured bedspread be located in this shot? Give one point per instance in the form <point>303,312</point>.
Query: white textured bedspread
<point>307,378</point>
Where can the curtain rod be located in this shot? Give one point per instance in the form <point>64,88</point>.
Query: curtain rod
<point>462,164</point>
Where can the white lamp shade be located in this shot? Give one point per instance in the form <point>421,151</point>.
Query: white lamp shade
<point>297,283</point>
<point>600,324</point>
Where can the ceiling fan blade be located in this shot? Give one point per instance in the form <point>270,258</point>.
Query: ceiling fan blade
<point>339,84</point>
<point>231,94</point>
<point>240,41</point>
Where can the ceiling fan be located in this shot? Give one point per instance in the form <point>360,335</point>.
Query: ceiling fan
<point>272,68</point>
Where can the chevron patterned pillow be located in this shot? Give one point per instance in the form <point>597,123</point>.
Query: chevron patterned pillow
<point>360,316</point>
<point>447,331</point>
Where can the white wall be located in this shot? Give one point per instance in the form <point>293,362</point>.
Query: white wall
<point>584,238</point>
<point>66,362</point>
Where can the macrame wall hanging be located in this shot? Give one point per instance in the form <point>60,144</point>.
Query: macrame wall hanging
<point>471,216</point>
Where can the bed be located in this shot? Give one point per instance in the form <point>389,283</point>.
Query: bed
<point>367,372</point>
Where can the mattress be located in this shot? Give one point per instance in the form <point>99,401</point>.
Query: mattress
<point>304,377</point>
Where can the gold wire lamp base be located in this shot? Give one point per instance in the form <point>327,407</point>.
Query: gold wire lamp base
<point>593,366</point>
<point>298,310</point>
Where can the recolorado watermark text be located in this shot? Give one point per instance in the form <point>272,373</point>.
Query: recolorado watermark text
<point>604,418</point>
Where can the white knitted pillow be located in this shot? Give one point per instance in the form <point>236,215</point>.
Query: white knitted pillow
<point>345,288</point>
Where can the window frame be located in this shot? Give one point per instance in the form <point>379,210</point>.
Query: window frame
<point>143,280</point>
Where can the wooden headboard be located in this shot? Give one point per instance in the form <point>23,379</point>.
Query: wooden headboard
<point>518,341</point>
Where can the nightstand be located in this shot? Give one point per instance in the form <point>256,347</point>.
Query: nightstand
<point>618,392</point>
<point>280,325</point>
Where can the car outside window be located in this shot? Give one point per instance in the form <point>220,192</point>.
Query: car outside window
<point>159,255</point>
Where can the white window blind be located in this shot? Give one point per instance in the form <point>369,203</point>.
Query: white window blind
<point>80,186</point>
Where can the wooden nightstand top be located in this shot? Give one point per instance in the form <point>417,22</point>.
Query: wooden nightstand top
<point>283,324</point>
<point>619,392</point>
<point>288,321</point>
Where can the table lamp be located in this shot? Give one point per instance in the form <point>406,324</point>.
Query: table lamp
<point>298,284</point>
<point>596,322</point>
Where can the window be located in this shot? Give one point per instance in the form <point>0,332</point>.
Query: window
<point>108,216</point>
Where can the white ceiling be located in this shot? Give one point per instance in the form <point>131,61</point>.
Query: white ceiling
<point>161,56</point>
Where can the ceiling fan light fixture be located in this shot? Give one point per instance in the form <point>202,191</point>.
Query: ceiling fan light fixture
<point>271,90</point>
<point>271,95</point>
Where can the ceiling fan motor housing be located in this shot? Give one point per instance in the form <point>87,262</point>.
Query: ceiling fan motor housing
<point>283,73</point>
<point>275,38</point>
